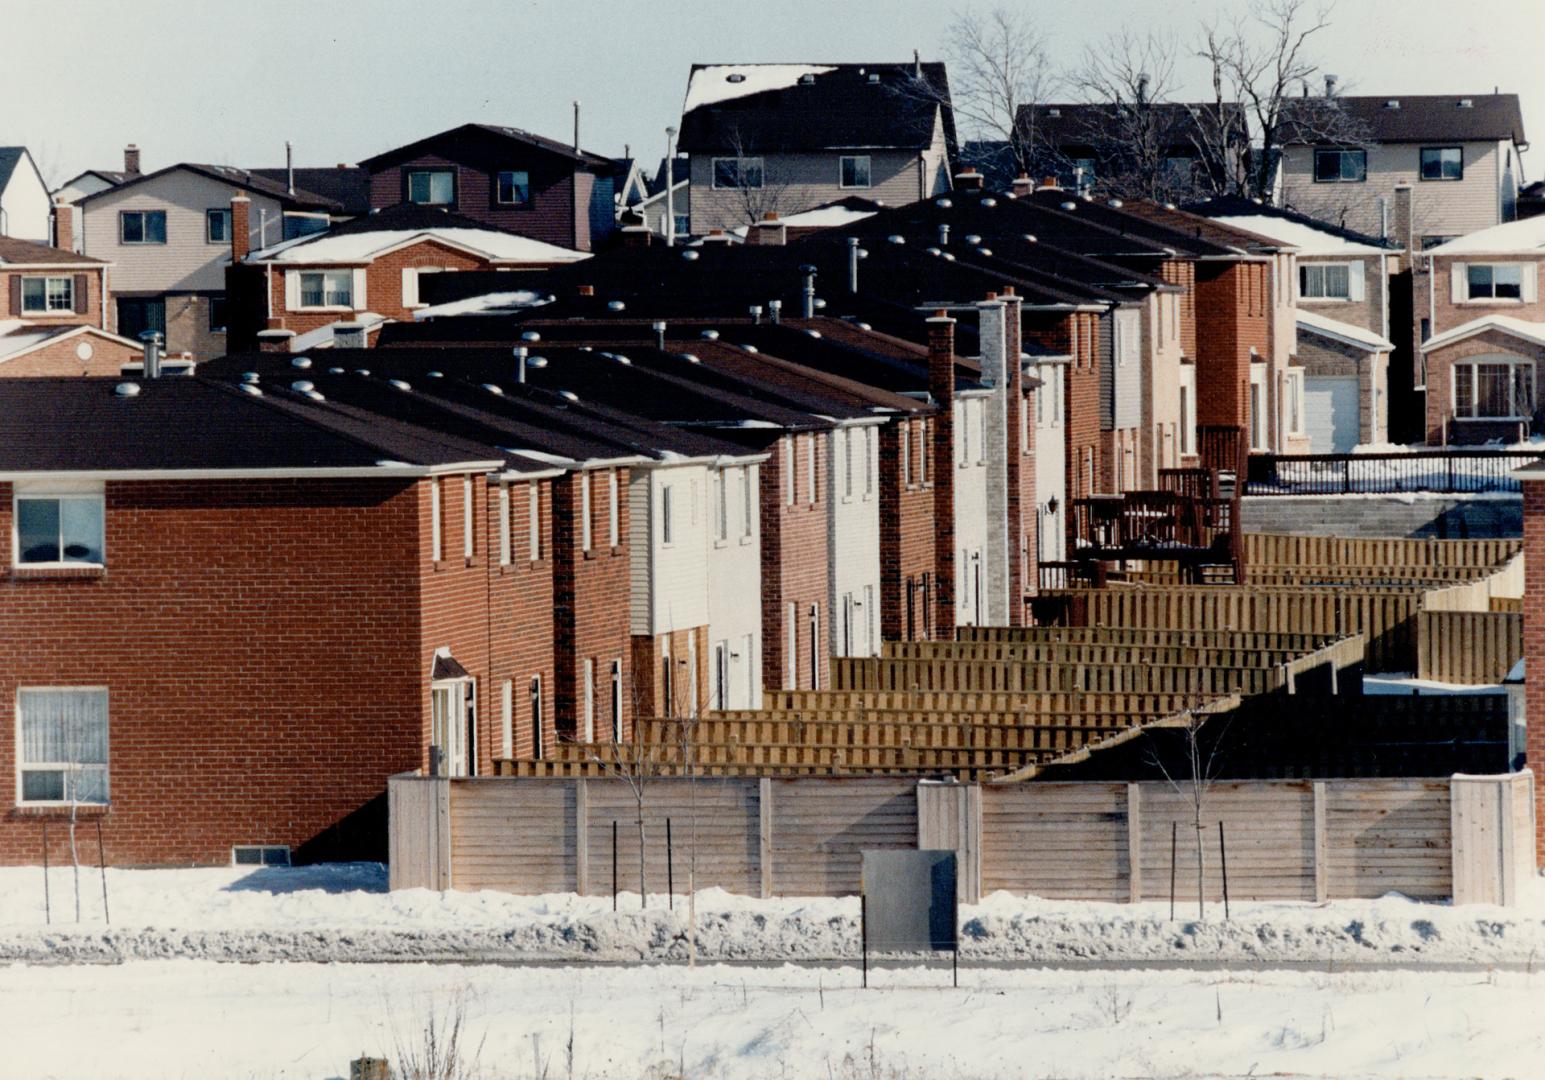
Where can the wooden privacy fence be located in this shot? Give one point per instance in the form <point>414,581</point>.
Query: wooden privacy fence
<point>1468,646</point>
<point>1143,635</point>
<point>778,701</point>
<point>1469,837</point>
<point>1279,549</point>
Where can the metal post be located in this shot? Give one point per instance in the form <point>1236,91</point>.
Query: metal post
<point>614,865</point>
<point>48,911</point>
<point>102,865</point>
<point>1223,859</point>
<point>670,868</point>
<point>863,935</point>
<point>1173,843</point>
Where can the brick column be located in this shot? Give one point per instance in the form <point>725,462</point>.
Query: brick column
<point>241,227</point>
<point>941,386</point>
<point>1021,468</point>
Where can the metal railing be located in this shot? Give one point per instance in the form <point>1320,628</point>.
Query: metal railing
<point>1436,471</point>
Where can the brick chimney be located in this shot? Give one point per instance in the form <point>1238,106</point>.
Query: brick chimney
<point>276,340</point>
<point>241,227</point>
<point>968,179</point>
<point>941,386</point>
<point>1023,185</point>
<point>769,231</point>
<point>131,161</point>
<point>586,290</point>
<point>1401,222</point>
<point>64,225</point>
<point>636,236</point>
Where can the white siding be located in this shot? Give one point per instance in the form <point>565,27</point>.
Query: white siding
<point>853,535</point>
<point>26,205</point>
<point>673,594</point>
<point>735,576</point>
<point>971,513</point>
<point>1050,455</point>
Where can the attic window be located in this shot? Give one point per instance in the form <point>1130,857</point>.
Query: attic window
<point>735,77</point>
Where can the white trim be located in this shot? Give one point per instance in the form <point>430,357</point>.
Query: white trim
<point>1346,333</point>
<point>20,492</point>
<point>1523,329</point>
<point>504,524</point>
<point>436,530</point>
<point>469,535</point>
<point>106,766</point>
<point>69,332</point>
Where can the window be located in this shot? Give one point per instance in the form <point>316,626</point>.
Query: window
<point>142,226</point>
<point>683,225</point>
<point>1187,417</point>
<point>747,503</point>
<point>298,225</point>
<point>584,511</point>
<point>504,525</point>
<point>218,319</point>
<point>513,188</point>
<point>788,450</point>
<point>721,523</point>
<point>62,751</point>
<point>1257,414</point>
<point>815,646</point>
<point>432,187</point>
<point>1434,241</point>
<point>42,295</point>
<point>326,288</point>
<point>854,172</point>
<point>745,172</point>
<point>810,469</point>
<point>217,226</point>
<point>536,715</point>
<point>1494,389</point>
<point>507,718</point>
<point>535,523</point>
<point>721,674</point>
<point>1501,281</point>
<point>847,463</point>
<point>587,691</point>
<point>1325,281</point>
<point>791,648</point>
<point>1293,400</point>
<point>260,855</point>
<point>436,537</point>
<point>666,532</point>
<point>467,547</point>
<point>613,508</point>
<point>1443,163</point>
<point>904,434</point>
<point>59,530</point>
<point>868,434</point>
<point>138,315</point>
<point>616,701</point>
<point>925,448</point>
<point>1340,166</point>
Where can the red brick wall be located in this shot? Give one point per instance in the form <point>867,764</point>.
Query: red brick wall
<point>261,646</point>
<point>1232,306</point>
<point>92,316</point>
<point>549,217</point>
<point>1534,644</point>
<point>1184,275</point>
<point>1440,386</point>
<point>907,564</point>
<point>794,559</point>
<point>58,359</point>
<point>520,622</point>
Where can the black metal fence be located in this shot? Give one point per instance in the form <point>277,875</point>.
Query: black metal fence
<point>1437,471</point>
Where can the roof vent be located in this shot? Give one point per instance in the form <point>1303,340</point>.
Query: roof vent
<point>127,389</point>
<point>434,375</point>
<point>752,349</point>
<point>1069,205</point>
<point>874,78</point>
<point>807,80</point>
<point>621,359</point>
<point>820,305</point>
<point>492,389</point>
<point>1030,238</point>
<point>1054,113</point>
<point>989,202</point>
<point>735,77</point>
<point>710,335</point>
<point>246,388</point>
<point>314,395</point>
<point>568,395</point>
<point>1116,204</point>
<point>689,358</point>
<point>896,238</point>
<point>973,239</point>
<point>615,305</point>
<point>249,376</point>
<point>398,384</point>
<point>363,372</point>
<point>944,204</point>
<point>947,257</point>
<point>689,255</point>
<point>985,252</point>
<point>536,362</point>
<point>863,326</point>
<point>813,333</point>
<point>1392,103</point>
<point>301,362</point>
<point>300,386</point>
<point>1466,103</point>
<point>1172,206</point>
<point>933,251</point>
<point>531,335</point>
<point>335,371</point>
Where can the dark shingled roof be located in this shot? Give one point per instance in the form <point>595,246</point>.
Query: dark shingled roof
<point>347,185</point>
<point>240,178</point>
<point>14,252</point>
<point>839,109</point>
<point>1424,117</point>
<point>1074,124</point>
<point>1238,206</point>
<point>498,133</point>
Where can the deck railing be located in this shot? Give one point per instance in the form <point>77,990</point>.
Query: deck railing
<point>1436,471</point>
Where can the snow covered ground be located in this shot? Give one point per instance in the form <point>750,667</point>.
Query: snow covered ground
<point>344,913</point>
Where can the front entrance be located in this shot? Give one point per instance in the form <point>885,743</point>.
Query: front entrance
<point>452,716</point>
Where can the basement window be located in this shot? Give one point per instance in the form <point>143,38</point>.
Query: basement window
<point>260,855</point>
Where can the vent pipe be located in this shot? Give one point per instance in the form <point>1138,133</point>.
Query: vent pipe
<point>576,127</point>
<point>1330,86</point>
<point>658,326</point>
<point>775,311</point>
<point>756,314</point>
<point>944,234</point>
<point>520,363</point>
<point>152,340</point>
<point>289,166</point>
<point>853,264</point>
<point>1142,87</point>
<point>807,299</point>
<point>670,183</point>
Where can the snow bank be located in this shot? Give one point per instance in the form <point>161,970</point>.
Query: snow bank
<point>344,914</point>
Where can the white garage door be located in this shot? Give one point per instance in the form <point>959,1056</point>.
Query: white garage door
<point>1330,411</point>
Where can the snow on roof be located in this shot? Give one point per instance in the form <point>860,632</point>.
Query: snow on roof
<point>322,336</point>
<point>487,304</point>
<point>1358,336</point>
<point>1307,239</point>
<point>822,217</point>
<point>1512,237</point>
<point>718,82</point>
<point>1507,324</point>
<point>364,247</point>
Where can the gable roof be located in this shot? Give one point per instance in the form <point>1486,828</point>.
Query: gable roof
<point>245,179</point>
<point>1309,235</point>
<point>771,107</point>
<point>18,337</point>
<point>1357,336</point>
<point>1525,236</point>
<point>1424,117</point>
<point>16,252</point>
<point>10,158</point>
<point>494,132</point>
<point>1523,329</point>
<point>347,185</point>
<point>364,239</point>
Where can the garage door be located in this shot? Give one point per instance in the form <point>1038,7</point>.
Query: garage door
<point>1330,411</point>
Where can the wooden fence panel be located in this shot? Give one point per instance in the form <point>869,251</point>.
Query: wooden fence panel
<point>418,843</point>
<point>819,830</point>
<point>514,837</point>
<point>1391,835</point>
<point>727,833</point>
<point>1268,830</point>
<point>1279,549</point>
<point>1059,841</point>
<point>1468,646</point>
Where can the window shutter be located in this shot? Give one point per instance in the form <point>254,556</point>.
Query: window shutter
<point>359,289</point>
<point>81,284</point>
<point>15,294</point>
<point>1356,290</point>
<point>409,286</point>
<point>1530,283</point>
<point>292,290</point>
<point>1457,283</point>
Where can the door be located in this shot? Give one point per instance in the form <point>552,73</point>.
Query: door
<point>448,729</point>
<point>1330,413</point>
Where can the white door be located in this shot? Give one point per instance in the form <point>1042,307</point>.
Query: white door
<point>449,715</point>
<point>1330,413</point>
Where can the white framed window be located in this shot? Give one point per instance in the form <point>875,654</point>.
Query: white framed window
<point>747,503</point>
<point>788,453</point>
<point>534,521</point>
<point>1258,427</point>
<point>737,172</point>
<point>719,691</point>
<point>667,510</point>
<point>47,295</point>
<point>981,431</point>
<point>1293,401</point>
<point>260,855</point>
<point>326,288</point>
<point>853,171</point>
<point>217,226</point>
<point>535,692</point>
<point>142,226</point>
<point>815,646</point>
<point>432,187</point>
<point>904,440</point>
<point>613,509</point>
<point>468,547</point>
<point>504,525</point>
<point>512,187</point>
<point>584,511</point>
<point>58,529</point>
<point>616,701</point>
<point>587,696</point>
<point>507,718</point>
<point>1187,409</point>
<point>846,436</point>
<point>1497,281</point>
<point>791,648</point>
<point>1443,163</point>
<point>810,469</point>
<point>61,745</point>
<point>1328,281</point>
<point>1494,389</point>
<point>436,528</point>
<point>721,522</point>
<point>869,461</point>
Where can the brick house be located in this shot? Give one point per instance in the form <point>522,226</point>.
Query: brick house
<point>503,178</point>
<point>1485,341</point>
<point>784,138</point>
<point>364,270</point>
<point>53,305</point>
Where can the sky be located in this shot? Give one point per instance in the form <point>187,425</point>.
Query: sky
<point>228,81</point>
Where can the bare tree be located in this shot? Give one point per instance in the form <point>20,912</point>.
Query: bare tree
<point>1194,782</point>
<point>756,188</point>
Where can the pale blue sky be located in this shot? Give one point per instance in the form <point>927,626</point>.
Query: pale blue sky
<point>227,81</point>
